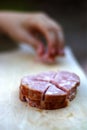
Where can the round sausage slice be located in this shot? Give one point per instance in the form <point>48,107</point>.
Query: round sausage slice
<point>49,90</point>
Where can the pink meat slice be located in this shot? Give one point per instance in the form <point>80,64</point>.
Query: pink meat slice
<point>36,89</point>
<point>64,75</point>
<point>55,94</point>
<point>45,76</point>
<point>63,80</point>
<point>53,98</point>
<point>66,80</point>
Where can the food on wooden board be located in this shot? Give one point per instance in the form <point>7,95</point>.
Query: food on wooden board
<point>49,90</point>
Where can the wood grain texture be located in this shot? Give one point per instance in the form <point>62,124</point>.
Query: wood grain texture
<point>17,115</point>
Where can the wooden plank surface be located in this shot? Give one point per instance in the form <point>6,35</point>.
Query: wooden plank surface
<point>16,115</point>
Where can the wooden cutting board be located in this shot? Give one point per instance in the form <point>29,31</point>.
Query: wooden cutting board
<point>17,115</point>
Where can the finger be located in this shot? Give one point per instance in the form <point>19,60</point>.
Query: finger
<point>52,44</point>
<point>52,24</point>
<point>50,38</point>
<point>26,37</point>
<point>57,30</point>
<point>47,59</point>
<point>44,27</point>
<point>60,41</point>
<point>54,34</point>
<point>43,30</point>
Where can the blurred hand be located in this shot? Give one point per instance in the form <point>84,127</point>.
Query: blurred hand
<point>26,27</point>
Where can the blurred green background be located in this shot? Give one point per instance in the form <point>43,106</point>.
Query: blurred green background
<point>13,5</point>
<point>19,5</point>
